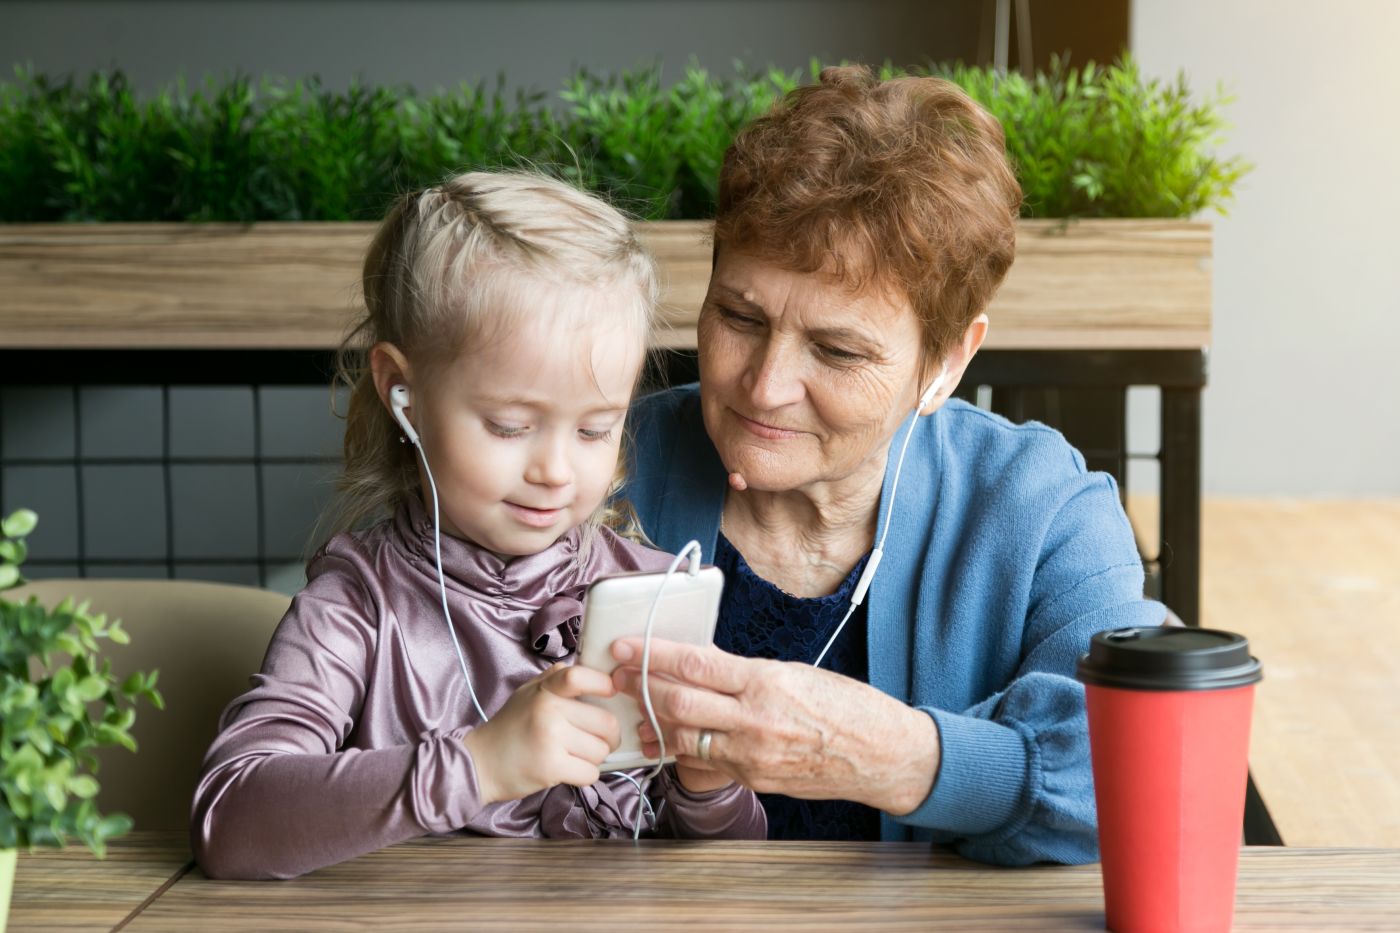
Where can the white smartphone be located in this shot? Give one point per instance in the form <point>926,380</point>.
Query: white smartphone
<point>617,607</point>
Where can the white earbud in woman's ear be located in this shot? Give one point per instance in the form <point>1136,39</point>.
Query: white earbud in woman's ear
<point>398,401</point>
<point>932,389</point>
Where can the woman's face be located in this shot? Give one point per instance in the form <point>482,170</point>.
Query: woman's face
<point>801,381</point>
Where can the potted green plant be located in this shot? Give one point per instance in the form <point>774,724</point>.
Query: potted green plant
<point>59,700</point>
<point>285,178</point>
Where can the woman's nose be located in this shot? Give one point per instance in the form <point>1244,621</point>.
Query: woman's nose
<point>772,377</point>
<point>549,463</point>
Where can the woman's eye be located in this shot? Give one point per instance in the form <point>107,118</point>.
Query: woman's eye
<point>837,355</point>
<point>735,319</point>
<point>505,430</point>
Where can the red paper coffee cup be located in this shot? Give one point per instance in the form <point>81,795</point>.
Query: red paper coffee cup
<point>1169,712</point>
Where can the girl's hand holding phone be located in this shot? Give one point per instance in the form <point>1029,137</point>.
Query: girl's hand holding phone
<point>545,735</point>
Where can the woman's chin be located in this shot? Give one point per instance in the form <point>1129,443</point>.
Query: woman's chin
<point>763,475</point>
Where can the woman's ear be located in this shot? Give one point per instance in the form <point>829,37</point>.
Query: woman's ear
<point>957,361</point>
<point>971,342</point>
<point>390,368</point>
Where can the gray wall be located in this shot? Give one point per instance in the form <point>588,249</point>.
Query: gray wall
<point>431,43</point>
<point>1304,396</point>
<point>249,471</point>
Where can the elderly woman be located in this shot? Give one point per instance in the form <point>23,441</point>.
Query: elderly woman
<point>863,227</point>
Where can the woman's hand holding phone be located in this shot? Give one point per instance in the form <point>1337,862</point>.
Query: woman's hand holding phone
<point>694,775</point>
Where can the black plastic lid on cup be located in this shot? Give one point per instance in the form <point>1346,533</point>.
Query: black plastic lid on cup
<point>1163,658</point>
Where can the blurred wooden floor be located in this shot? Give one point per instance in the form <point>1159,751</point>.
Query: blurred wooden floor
<point>1315,586</point>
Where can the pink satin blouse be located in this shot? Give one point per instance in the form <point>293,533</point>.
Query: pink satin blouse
<point>351,736</point>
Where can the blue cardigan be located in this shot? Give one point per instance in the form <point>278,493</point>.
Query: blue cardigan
<point>1005,555</point>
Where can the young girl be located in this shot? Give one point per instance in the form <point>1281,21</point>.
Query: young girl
<point>508,316</point>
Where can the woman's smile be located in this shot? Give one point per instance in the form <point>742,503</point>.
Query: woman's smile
<point>766,431</point>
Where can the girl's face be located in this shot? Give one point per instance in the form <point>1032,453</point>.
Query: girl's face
<point>523,431</point>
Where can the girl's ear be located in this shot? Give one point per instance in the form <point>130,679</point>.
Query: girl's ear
<point>390,368</point>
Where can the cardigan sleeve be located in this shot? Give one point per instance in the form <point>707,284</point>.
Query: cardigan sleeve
<point>1014,784</point>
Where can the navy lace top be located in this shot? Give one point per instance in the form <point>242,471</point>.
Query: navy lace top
<point>759,620</point>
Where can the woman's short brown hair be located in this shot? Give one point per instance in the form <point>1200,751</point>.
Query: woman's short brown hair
<point>900,184</point>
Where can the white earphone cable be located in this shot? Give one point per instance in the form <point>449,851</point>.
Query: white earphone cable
<point>692,548</point>
<point>643,807</point>
<point>879,551</point>
<point>442,584</point>
<point>867,575</point>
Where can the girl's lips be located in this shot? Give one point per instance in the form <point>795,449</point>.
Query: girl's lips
<point>535,518</point>
<point>765,431</point>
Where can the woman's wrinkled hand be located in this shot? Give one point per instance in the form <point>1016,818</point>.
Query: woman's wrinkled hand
<point>545,735</point>
<point>782,727</point>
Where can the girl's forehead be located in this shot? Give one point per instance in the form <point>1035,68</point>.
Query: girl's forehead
<point>579,359</point>
<point>508,304</point>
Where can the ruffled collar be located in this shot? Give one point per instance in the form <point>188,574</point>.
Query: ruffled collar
<point>536,597</point>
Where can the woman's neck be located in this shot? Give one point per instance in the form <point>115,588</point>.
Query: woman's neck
<point>806,540</point>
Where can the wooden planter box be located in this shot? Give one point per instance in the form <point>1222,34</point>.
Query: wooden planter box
<point>1094,284</point>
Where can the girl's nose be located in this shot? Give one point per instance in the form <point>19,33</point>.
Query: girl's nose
<point>549,463</point>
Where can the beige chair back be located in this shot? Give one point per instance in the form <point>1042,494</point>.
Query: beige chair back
<point>206,639</point>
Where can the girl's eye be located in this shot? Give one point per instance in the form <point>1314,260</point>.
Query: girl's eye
<point>504,430</point>
<point>588,435</point>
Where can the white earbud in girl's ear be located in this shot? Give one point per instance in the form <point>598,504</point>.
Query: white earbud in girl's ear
<point>398,401</point>
<point>932,389</point>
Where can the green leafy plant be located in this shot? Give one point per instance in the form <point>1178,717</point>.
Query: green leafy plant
<point>329,155</point>
<point>655,151</point>
<point>623,122</point>
<point>59,700</point>
<point>708,112</point>
<point>1086,142</point>
<point>213,148</point>
<point>473,127</point>
<point>28,175</point>
<point>106,148</point>
<point>1108,142</point>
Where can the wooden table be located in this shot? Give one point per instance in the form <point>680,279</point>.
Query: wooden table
<point>496,884</point>
<point>70,889</point>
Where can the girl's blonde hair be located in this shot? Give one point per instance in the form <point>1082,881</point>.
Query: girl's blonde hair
<point>447,266</point>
